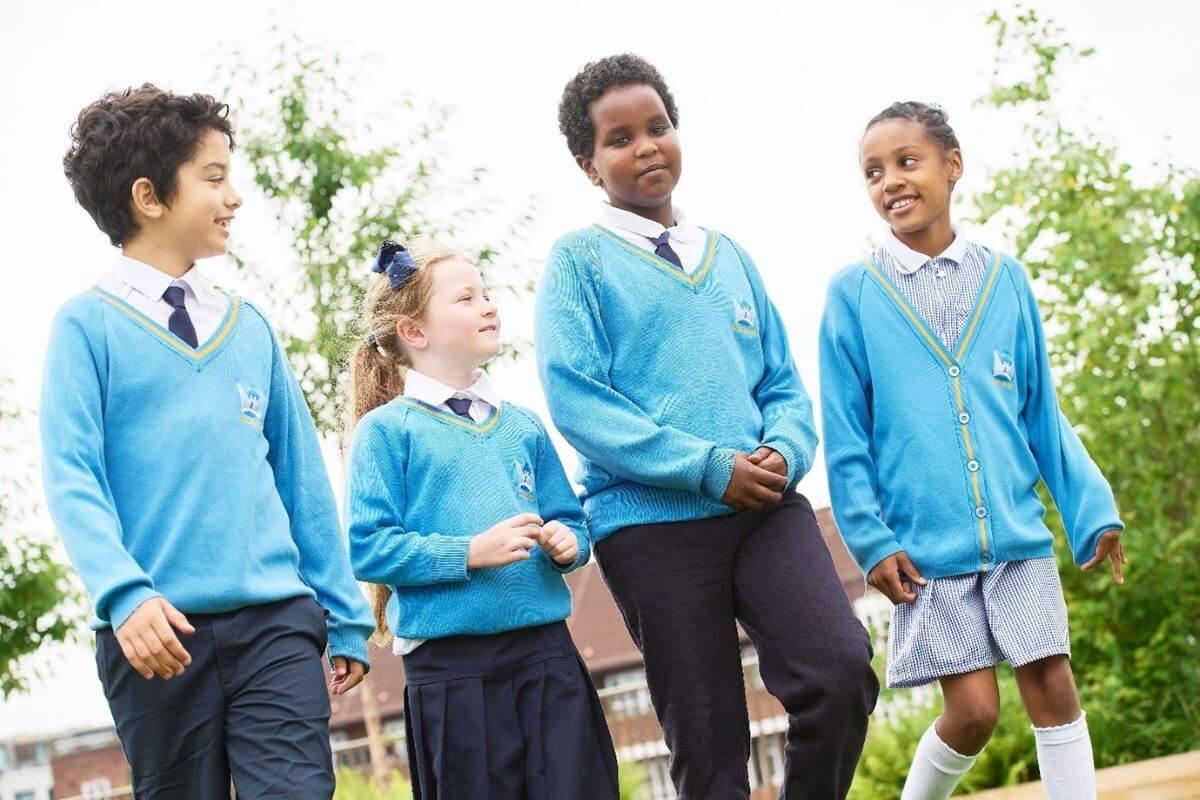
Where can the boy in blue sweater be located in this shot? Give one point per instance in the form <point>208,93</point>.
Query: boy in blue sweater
<point>666,365</point>
<point>183,472</point>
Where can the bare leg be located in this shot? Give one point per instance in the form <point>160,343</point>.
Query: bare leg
<point>971,712</point>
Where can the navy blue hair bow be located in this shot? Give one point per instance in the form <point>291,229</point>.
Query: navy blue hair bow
<point>396,262</point>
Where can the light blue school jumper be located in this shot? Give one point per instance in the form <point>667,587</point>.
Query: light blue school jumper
<point>189,473</point>
<point>422,482</point>
<point>938,451</point>
<point>658,377</point>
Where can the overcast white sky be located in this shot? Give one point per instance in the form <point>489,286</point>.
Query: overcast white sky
<point>772,102</point>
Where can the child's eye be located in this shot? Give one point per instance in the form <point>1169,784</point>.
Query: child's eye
<point>872,174</point>
<point>908,161</point>
<point>618,141</point>
<point>659,130</point>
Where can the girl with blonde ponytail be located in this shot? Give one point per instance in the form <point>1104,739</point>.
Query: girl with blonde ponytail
<point>461,516</point>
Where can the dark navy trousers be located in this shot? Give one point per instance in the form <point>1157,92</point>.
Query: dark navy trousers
<point>252,706</point>
<point>683,587</point>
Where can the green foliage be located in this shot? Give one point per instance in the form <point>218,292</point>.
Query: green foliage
<point>354,785</point>
<point>35,591</point>
<point>337,188</point>
<point>1116,259</point>
<point>631,778</point>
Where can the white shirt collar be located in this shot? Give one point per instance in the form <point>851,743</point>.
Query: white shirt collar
<point>909,261</point>
<point>613,217</point>
<point>420,386</point>
<point>152,282</point>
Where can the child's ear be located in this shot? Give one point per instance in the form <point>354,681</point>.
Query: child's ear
<point>408,330</point>
<point>955,161</point>
<point>589,169</point>
<point>145,200</point>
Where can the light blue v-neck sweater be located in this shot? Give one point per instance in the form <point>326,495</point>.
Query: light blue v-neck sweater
<point>189,473</point>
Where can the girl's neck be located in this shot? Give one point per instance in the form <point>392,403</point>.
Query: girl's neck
<point>455,376</point>
<point>663,214</point>
<point>932,240</point>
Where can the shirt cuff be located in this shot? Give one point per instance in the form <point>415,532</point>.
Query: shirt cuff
<point>127,602</point>
<point>718,472</point>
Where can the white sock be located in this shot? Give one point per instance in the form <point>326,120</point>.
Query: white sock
<point>936,769</point>
<point>1065,759</point>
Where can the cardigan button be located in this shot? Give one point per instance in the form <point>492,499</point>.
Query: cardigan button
<point>981,512</point>
<point>973,465</point>
<point>964,418</point>
<point>954,370</point>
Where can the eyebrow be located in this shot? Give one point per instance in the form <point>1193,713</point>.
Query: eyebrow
<point>221,165</point>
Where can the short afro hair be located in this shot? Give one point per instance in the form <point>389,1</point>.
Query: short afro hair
<point>930,116</point>
<point>136,133</point>
<point>596,78</point>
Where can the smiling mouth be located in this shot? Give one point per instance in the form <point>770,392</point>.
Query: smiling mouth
<point>223,224</point>
<point>901,203</point>
<point>652,169</point>
<point>489,328</point>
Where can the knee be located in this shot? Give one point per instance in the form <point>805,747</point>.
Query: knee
<point>848,685</point>
<point>971,723</point>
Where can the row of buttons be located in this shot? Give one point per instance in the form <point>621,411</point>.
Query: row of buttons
<point>963,419</point>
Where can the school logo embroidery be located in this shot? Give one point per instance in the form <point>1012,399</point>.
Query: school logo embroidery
<point>252,404</point>
<point>744,318</point>
<point>1003,369</point>
<point>524,479</point>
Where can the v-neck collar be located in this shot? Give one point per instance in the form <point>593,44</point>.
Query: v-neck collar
<point>479,429</point>
<point>660,263</point>
<point>950,357</point>
<point>195,355</point>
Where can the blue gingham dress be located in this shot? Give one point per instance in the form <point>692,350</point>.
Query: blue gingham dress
<point>1015,612</point>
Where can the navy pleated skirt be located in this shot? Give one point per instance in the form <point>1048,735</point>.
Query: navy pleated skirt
<point>510,716</point>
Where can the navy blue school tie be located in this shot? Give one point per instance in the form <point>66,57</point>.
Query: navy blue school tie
<point>461,406</point>
<point>662,248</point>
<point>179,322</point>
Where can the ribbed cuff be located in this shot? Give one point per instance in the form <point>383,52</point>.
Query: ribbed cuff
<point>348,645</point>
<point>129,601</point>
<point>1096,527</point>
<point>449,556</point>
<point>718,472</point>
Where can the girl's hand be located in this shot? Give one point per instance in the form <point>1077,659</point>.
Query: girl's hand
<point>505,542</point>
<point>894,576</point>
<point>751,486</point>
<point>560,543</point>
<point>347,673</point>
<point>769,460</point>
<point>1109,546</point>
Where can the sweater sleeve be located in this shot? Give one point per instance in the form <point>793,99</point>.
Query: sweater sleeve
<point>788,426</point>
<point>382,549</point>
<point>846,415</point>
<point>1083,496</point>
<point>557,500</point>
<point>605,426</point>
<point>294,454</point>
<point>77,489</point>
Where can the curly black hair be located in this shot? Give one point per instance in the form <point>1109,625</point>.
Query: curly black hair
<point>596,78</point>
<point>136,133</point>
<point>932,118</point>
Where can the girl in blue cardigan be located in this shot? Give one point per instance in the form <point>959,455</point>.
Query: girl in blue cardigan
<point>940,419</point>
<point>461,514</point>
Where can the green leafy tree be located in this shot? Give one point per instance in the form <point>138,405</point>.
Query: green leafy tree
<point>1115,259</point>
<point>338,185</point>
<point>36,595</point>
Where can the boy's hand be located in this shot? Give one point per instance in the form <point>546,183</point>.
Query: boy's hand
<point>505,542</point>
<point>1109,546</point>
<point>894,576</point>
<point>559,542</point>
<point>770,460</point>
<point>751,486</point>
<point>148,642</point>
<point>347,673</point>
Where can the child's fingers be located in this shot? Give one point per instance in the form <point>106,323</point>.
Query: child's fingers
<point>161,649</point>
<point>177,619</point>
<point>172,644</point>
<point>148,658</point>
<point>1117,557</point>
<point>134,659</point>
<point>521,520</point>
<point>909,568</point>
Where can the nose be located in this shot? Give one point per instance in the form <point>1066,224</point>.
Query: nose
<point>646,148</point>
<point>234,200</point>
<point>892,181</point>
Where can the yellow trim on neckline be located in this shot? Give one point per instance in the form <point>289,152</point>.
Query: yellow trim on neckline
<point>168,337</point>
<point>455,419</point>
<point>710,249</point>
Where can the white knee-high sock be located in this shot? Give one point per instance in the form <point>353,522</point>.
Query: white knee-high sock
<point>936,769</point>
<point>1065,759</point>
